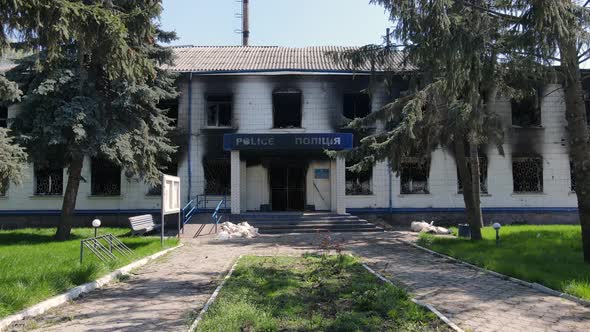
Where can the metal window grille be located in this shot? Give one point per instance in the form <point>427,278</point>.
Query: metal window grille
<point>49,181</point>
<point>414,176</point>
<point>527,174</point>
<point>217,176</point>
<point>105,178</point>
<point>483,176</point>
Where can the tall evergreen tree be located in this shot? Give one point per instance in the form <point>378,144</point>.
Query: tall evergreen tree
<point>97,93</point>
<point>456,51</point>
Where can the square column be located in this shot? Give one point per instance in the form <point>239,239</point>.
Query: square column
<point>235,182</point>
<point>340,186</point>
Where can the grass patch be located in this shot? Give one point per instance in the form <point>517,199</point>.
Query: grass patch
<point>550,255</point>
<point>33,267</point>
<point>312,293</point>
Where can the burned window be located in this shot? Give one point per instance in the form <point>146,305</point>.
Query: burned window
<point>4,188</point>
<point>414,176</point>
<point>171,107</point>
<point>171,168</point>
<point>359,183</point>
<point>356,105</point>
<point>526,112</point>
<point>527,174</point>
<point>219,111</point>
<point>48,181</point>
<point>483,175</point>
<point>105,178</point>
<point>286,108</point>
<point>217,176</point>
<point>3,116</point>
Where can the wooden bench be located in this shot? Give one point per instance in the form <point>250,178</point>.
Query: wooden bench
<point>142,224</point>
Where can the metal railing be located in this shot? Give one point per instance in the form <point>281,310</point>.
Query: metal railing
<point>216,215</point>
<point>104,247</point>
<point>200,204</point>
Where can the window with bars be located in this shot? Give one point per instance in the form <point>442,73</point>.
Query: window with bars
<point>526,112</point>
<point>49,181</point>
<point>356,105</point>
<point>483,175</point>
<point>3,116</point>
<point>219,111</point>
<point>105,178</point>
<point>414,176</point>
<point>359,183</point>
<point>217,176</point>
<point>527,174</point>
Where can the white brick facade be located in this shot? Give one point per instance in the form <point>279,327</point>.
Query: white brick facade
<point>321,111</point>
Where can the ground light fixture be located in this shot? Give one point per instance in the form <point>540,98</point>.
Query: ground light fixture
<point>497,227</point>
<point>96,225</point>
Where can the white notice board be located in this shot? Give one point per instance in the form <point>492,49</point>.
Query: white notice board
<point>170,194</point>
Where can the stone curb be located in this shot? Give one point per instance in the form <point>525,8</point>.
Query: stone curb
<point>75,292</point>
<point>532,285</point>
<point>213,296</point>
<point>422,304</point>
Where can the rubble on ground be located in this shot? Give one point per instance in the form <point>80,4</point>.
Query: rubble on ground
<point>232,231</point>
<point>424,227</point>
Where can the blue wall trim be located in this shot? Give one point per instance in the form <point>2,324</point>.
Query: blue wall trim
<point>447,210</point>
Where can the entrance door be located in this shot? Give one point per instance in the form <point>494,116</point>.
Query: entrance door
<point>287,188</point>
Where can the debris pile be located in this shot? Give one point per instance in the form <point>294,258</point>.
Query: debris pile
<point>424,227</point>
<point>232,231</point>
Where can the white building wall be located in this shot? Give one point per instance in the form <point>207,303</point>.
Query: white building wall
<point>322,105</point>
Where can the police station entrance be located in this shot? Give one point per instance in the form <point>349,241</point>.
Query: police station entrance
<point>287,186</point>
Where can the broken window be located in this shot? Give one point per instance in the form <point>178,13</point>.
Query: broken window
<point>356,105</point>
<point>105,178</point>
<point>359,183</point>
<point>286,106</point>
<point>527,174</point>
<point>526,112</point>
<point>171,105</point>
<point>483,175</point>
<point>48,181</point>
<point>219,111</point>
<point>217,176</point>
<point>414,176</point>
<point>3,116</point>
<point>171,169</point>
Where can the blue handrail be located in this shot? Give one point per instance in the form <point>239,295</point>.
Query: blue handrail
<point>199,204</point>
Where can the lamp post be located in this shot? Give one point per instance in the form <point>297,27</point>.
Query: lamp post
<point>497,227</point>
<point>96,225</point>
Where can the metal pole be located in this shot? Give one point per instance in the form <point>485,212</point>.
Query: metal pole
<point>162,214</point>
<point>179,215</point>
<point>81,251</point>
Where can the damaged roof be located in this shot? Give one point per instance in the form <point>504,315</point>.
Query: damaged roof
<point>269,59</point>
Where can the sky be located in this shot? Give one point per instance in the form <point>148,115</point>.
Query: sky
<point>294,23</point>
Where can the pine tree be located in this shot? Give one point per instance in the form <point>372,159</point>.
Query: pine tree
<point>96,93</point>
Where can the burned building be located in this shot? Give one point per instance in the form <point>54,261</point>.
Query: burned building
<point>256,122</point>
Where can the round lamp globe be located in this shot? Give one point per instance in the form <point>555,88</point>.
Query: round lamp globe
<point>496,225</point>
<point>96,223</point>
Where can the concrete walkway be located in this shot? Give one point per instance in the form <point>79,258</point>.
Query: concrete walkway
<point>165,295</point>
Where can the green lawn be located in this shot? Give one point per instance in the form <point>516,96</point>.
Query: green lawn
<point>33,267</point>
<point>312,293</point>
<point>548,255</point>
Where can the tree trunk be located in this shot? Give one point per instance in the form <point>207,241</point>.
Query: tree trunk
<point>477,219</point>
<point>69,203</point>
<point>579,136</point>
<point>473,213</point>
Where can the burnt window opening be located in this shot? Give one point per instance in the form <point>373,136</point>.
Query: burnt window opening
<point>171,107</point>
<point>356,105</point>
<point>3,116</point>
<point>171,169</point>
<point>483,175</point>
<point>526,112</point>
<point>414,176</point>
<point>217,176</point>
<point>105,178</point>
<point>527,174</point>
<point>219,111</point>
<point>359,183</point>
<point>572,177</point>
<point>48,181</point>
<point>286,108</point>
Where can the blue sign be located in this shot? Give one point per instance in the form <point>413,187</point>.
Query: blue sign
<point>322,173</point>
<point>331,141</point>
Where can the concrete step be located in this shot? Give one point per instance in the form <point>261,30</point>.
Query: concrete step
<point>304,222</point>
<point>313,225</point>
<point>318,230</point>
